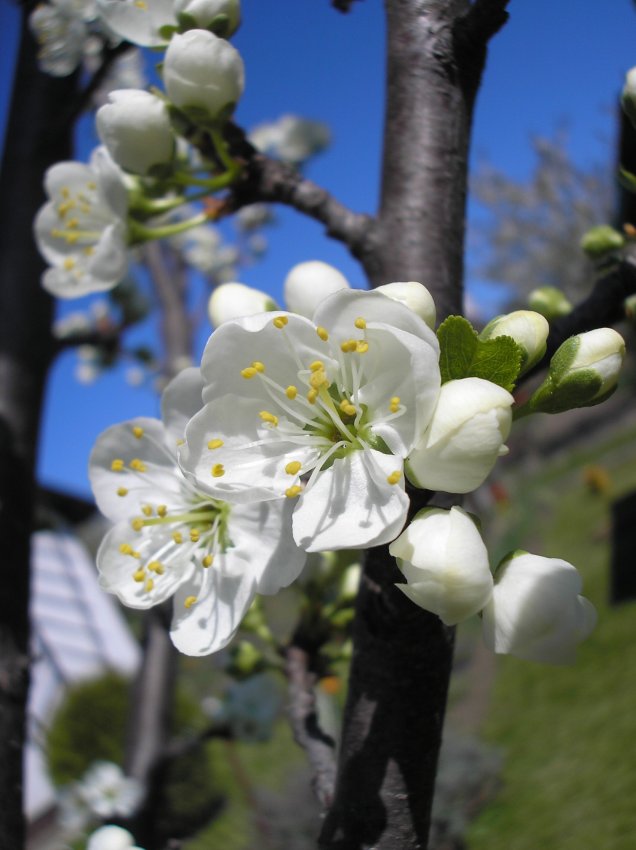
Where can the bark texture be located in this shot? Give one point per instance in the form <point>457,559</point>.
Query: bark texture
<point>34,141</point>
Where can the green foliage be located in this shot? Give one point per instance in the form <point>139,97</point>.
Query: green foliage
<point>464,355</point>
<point>90,725</point>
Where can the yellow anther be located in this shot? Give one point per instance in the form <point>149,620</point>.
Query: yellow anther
<point>64,207</point>
<point>206,561</point>
<point>319,379</point>
<point>122,491</point>
<point>72,238</point>
<point>394,404</point>
<point>89,250</point>
<point>137,523</point>
<point>148,586</point>
<point>72,223</point>
<point>348,345</point>
<point>292,492</point>
<point>139,575</point>
<point>69,263</point>
<point>280,321</point>
<point>322,333</point>
<point>141,4</point>
<point>394,399</point>
<point>180,442</point>
<point>269,417</point>
<point>147,510</point>
<point>177,537</point>
<point>293,467</point>
<point>291,392</point>
<point>248,372</point>
<point>347,407</point>
<point>125,548</point>
<point>218,470</point>
<point>65,192</point>
<point>92,186</point>
<point>260,367</point>
<point>136,554</point>
<point>317,366</point>
<point>394,477</point>
<point>162,510</point>
<point>195,534</point>
<point>189,601</point>
<point>312,395</point>
<point>156,567</point>
<point>117,465</point>
<point>215,444</point>
<point>137,464</point>
<point>138,432</point>
<point>362,346</point>
<point>360,323</point>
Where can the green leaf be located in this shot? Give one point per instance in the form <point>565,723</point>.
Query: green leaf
<point>464,355</point>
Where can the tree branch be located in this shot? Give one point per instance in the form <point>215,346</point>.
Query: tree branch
<point>83,98</point>
<point>484,19</point>
<point>319,746</point>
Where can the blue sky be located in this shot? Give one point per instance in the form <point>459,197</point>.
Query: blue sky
<point>553,61</point>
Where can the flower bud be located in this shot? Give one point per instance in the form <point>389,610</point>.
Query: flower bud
<point>110,838</point>
<point>415,296</point>
<point>583,372</point>
<point>203,75</point>
<point>528,329</point>
<point>550,302</point>
<point>465,437</point>
<point>307,284</point>
<point>535,611</point>
<point>599,241</point>
<point>235,300</point>
<point>629,95</point>
<point>445,564</point>
<point>204,14</point>
<point>136,130</point>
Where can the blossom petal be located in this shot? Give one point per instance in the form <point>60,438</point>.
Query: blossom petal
<point>138,23</point>
<point>181,400</point>
<point>351,505</point>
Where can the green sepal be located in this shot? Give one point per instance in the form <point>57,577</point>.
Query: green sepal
<point>627,180</point>
<point>220,26</point>
<point>167,31</point>
<point>187,22</point>
<point>464,355</point>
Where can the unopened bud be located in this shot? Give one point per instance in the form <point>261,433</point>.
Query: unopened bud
<point>601,240</point>
<point>415,296</point>
<point>550,302</point>
<point>528,329</point>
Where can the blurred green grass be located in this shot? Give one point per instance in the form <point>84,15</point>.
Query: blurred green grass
<point>569,779</point>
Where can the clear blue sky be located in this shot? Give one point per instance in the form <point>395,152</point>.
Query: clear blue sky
<point>553,61</point>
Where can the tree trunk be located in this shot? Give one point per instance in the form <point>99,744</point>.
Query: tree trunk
<point>34,141</point>
<point>402,655</point>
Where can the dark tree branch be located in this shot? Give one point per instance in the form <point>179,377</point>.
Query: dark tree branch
<point>83,98</point>
<point>320,747</point>
<point>270,181</point>
<point>484,19</point>
<point>342,5</point>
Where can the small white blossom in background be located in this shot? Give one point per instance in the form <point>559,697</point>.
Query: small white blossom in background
<point>81,231</point>
<point>152,22</point>
<point>528,329</point>
<point>253,216</point>
<point>465,436</point>
<point>203,249</point>
<point>174,538</point>
<point>235,300</point>
<point>536,611</point>
<point>60,28</point>
<point>291,138</point>
<point>322,412</point>
<point>203,75</point>
<point>126,72</point>
<point>445,563</point>
<point>135,128</point>
<point>629,95</point>
<point>413,295</point>
<point>107,792</point>
<point>309,283</point>
<point>111,838</point>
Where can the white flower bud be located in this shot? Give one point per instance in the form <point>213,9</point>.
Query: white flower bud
<point>415,296</point>
<point>235,300</point>
<point>110,838</point>
<point>203,75</point>
<point>445,563</point>
<point>136,130</point>
<point>203,13</point>
<point>307,284</point>
<point>465,437</point>
<point>528,329</point>
<point>629,95</point>
<point>536,611</point>
<point>583,372</point>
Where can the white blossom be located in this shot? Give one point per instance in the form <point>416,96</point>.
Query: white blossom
<point>291,138</point>
<point>175,538</point>
<point>415,296</point>
<point>445,564</point>
<point>107,792</point>
<point>536,611</point>
<point>323,412</point>
<point>136,130</point>
<point>203,75</point>
<point>309,283</point>
<point>235,300</point>
<point>81,231</point>
<point>111,838</point>
<point>60,28</point>
<point>465,436</point>
<point>253,216</point>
